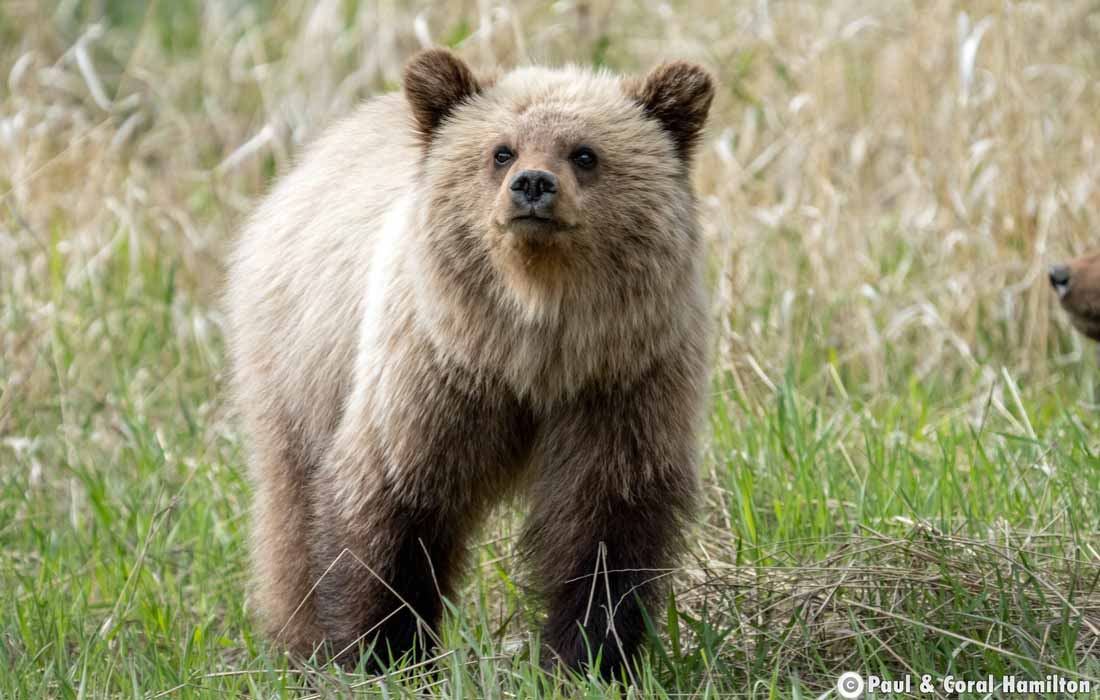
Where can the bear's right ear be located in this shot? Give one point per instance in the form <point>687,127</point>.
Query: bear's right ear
<point>436,81</point>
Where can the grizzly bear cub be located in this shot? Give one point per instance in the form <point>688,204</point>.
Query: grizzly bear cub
<point>480,285</point>
<point>1077,284</point>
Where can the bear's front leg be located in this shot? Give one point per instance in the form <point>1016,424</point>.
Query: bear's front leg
<point>614,487</point>
<point>406,481</point>
<point>381,569</point>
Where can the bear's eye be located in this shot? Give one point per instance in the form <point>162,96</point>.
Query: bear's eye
<point>502,155</point>
<point>584,157</point>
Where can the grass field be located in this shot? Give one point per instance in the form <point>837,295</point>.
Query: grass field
<point>901,471</point>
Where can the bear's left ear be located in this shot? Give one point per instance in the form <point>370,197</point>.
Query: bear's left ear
<point>678,95</point>
<point>436,81</point>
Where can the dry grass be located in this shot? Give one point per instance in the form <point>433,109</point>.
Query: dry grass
<point>877,174</point>
<point>912,168</point>
<point>902,472</point>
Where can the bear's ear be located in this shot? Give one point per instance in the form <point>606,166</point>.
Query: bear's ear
<point>678,95</point>
<point>436,81</point>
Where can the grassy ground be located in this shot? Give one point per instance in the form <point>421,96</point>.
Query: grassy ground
<point>901,471</point>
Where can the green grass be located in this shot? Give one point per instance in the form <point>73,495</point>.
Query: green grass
<point>901,468</point>
<point>881,534</point>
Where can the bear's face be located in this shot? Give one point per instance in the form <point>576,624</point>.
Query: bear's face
<point>1077,284</point>
<point>561,180</point>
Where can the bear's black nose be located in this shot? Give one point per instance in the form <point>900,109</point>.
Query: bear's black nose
<point>534,188</point>
<point>1059,278</point>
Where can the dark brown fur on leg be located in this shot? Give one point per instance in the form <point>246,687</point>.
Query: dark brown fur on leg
<point>597,604</point>
<point>387,587</point>
<point>615,471</point>
<point>404,507</point>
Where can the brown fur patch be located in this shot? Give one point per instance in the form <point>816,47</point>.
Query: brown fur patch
<point>436,81</point>
<point>1082,296</point>
<point>678,95</point>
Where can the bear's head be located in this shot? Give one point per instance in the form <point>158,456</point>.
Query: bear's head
<point>566,182</point>
<point>1077,284</point>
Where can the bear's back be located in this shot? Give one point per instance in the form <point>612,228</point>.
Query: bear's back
<point>298,273</point>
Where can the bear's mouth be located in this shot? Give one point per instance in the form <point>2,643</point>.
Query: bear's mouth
<point>1089,326</point>
<point>533,223</point>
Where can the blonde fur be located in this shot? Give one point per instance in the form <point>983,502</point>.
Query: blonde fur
<point>407,348</point>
